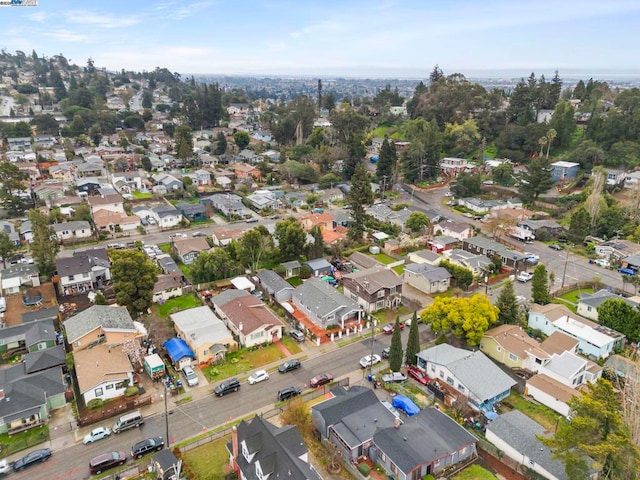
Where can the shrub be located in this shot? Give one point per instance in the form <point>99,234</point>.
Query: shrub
<point>131,391</point>
<point>95,403</point>
<point>441,339</point>
<point>364,469</point>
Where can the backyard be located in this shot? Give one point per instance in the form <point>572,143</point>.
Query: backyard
<point>384,258</point>
<point>178,304</point>
<point>570,299</point>
<point>210,461</point>
<point>475,472</point>
<point>536,411</point>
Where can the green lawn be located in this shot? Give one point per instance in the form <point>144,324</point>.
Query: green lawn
<point>241,362</point>
<point>210,461</point>
<point>294,281</point>
<point>17,442</point>
<point>186,269</point>
<point>474,472</point>
<point>569,305</point>
<point>573,295</point>
<point>538,412</point>
<point>142,195</point>
<point>399,269</point>
<point>179,303</point>
<point>384,258</point>
<point>165,247</point>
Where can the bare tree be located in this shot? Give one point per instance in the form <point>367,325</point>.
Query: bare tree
<point>595,200</point>
<point>134,351</point>
<point>629,388</point>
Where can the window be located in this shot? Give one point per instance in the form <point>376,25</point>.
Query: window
<point>98,392</point>
<point>588,309</point>
<point>450,380</point>
<point>71,278</point>
<point>461,387</point>
<point>392,290</point>
<point>513,357</point>
<point>381,293</point>
<point>85,275</point>
<point>42,346</point>
<point>498,349</point>
<point>109,387</point>
<point>441,375</point>
<point>433,368</point>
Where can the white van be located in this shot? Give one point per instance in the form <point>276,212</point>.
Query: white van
<point>130,420</point>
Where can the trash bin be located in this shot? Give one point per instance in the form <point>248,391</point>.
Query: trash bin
<point>370,377</point>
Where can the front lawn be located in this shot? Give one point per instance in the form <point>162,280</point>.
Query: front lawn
<point>10,444</point>
<point>210,461</point>
<point>241,362</point>
<point>569,305</point>
<point>474,472</point>
<point>178,304</point>
<point>574,295</point>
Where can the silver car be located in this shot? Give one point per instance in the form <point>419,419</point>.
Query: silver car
<point>190,376</point>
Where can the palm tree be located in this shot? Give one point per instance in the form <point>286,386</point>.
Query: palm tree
<point>551,136</point>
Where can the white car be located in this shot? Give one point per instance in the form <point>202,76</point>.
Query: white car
<point>370,360</point>
<point>4,467</point>
<point>259,376</point>
<point>524,276</point>
<point>96,434</point>
<point>190,376</point>
<point>603,263</point>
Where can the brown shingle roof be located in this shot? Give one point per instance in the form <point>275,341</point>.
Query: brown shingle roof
<point>186,245</point>
<point>552,387</point>
<point>514,340</point>
<point>559,342</point>
<point>250,312</point>
<point>100,364</point>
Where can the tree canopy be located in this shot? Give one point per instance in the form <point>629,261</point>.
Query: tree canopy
<point>134,277</point>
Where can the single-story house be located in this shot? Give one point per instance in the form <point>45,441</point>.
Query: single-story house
<point>250,321</point>
<point>229,204</point>
<point>167,216</point>
<point>319,267</point>
<point>588,304</point>
<point>487,247</point>
<point>103,372</point>
<point>194,212</point>
<point>426,257</point>
<point>274,285</point>
<point>18,276</point>
<point>168,286</point>
<point>324,305</point>
<point>179,352</point>
<point>205,334</point>
<point>72,230</point>
<point>469,374</point>
<point>291,269</point>
<point>457,230</point>
<point>188,249</point>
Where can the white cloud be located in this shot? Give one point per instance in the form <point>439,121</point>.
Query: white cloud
<point>66,36</point>
<point>39,16</point>
<point>102,20</point>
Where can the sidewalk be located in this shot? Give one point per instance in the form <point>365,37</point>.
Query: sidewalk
<point>64,433</point>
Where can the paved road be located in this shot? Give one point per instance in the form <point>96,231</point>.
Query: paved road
<point>209,411</point>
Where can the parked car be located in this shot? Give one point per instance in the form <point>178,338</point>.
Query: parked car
<point>4,467</point>
<point>394,377</point>
<point>524,277</point>
<point>370,360</point>
<point>418,375</point>
<point>198,234</point>
<point>288,392</point>
<point>289,365</point>
<point>388,328</point>
<point>190,376</point>
<point>178,235</point>
<point>257,377</point>
<point>385,352</point>
<point>320,380</point>
<point>602,263</point>
<point>96,434</point>
<point>297,335</point>
<point>228,386</point>
<point>252,220</point>
<point>148,445</point>
<point>106,461</point>
<point>556,247</point>
<point>31,458</point>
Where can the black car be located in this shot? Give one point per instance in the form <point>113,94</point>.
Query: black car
<point>228,386</point>
<point>289,365</point>
<point>29,459</point>
<point>288,392</point>
<point>297,335</point>
<point>153,444</point>
<point>103,462</point>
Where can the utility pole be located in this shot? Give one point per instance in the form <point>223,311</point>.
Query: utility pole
<point>564,271</point>
<point>166,415</point>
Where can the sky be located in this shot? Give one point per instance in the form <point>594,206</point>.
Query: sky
<point>351,38</point>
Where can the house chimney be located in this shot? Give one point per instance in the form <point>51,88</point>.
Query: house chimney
<point>234,449</point>
<point>240,326</point>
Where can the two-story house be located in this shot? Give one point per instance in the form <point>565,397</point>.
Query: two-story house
<point>111,202</point>
<point>324,305</point>
<point>594,340</point>
<point>85,270</point>
<point>100,324</point>
<point>427,278</point>
<point>18,276</point>
<point>374,289</point>
<point>167,216</point>
<point>250,321</point>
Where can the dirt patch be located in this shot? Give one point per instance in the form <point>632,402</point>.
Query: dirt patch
<point>15,307</point>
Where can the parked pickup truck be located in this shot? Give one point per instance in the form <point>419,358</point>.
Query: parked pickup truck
<point>394,377</point>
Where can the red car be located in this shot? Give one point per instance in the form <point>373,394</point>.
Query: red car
<point>418,375</point>
<point>388,328</point>
<point>321,379</point>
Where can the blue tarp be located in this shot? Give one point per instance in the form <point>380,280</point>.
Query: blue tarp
<point>405,404</point>
<point>177,349</point>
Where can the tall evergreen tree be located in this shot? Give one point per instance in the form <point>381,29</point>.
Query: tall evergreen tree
<point>134,277</point>
<point>44,246</point>
<point>579,225</point>
<point>536,180</point>
<point>360,195</point>
<point>316,249</point>
<point>183,142</point>
<point>507,304</point>
<point>386,166</point>
<point>413,341</point>
<point>395,351</point>
<point>221,144</point>
<point>540,285</point>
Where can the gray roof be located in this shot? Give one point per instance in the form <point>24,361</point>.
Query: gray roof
<point>344,403</point>
<point>24,391</point>
<point>29,333</point>
<point>225,297</point>
<point>376,278</point>
<point>488,244</point>
<point>19,271</point>
<point>291,265</point>
<point>474,370</point>
<point>168,264</point>
<point>83,262</point>
<point>431,273</point>
<point>363,261</point>
<point>274,282</point>
<point>201,325</point>
<point>318,264</point>
<point>433,435</point>
<point>521,433</point>
<point>566,364</point>
<point>428,255</point>
<point>109,318</point>
<point>71,226</point>
<point>50,313</point>
<point>597,298</point>
<point>323,299</point>
<point>277,449</point>
<point>44,359</point>
<point>166,211</point>
<point>444,239</point>
<point>191,208</point>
